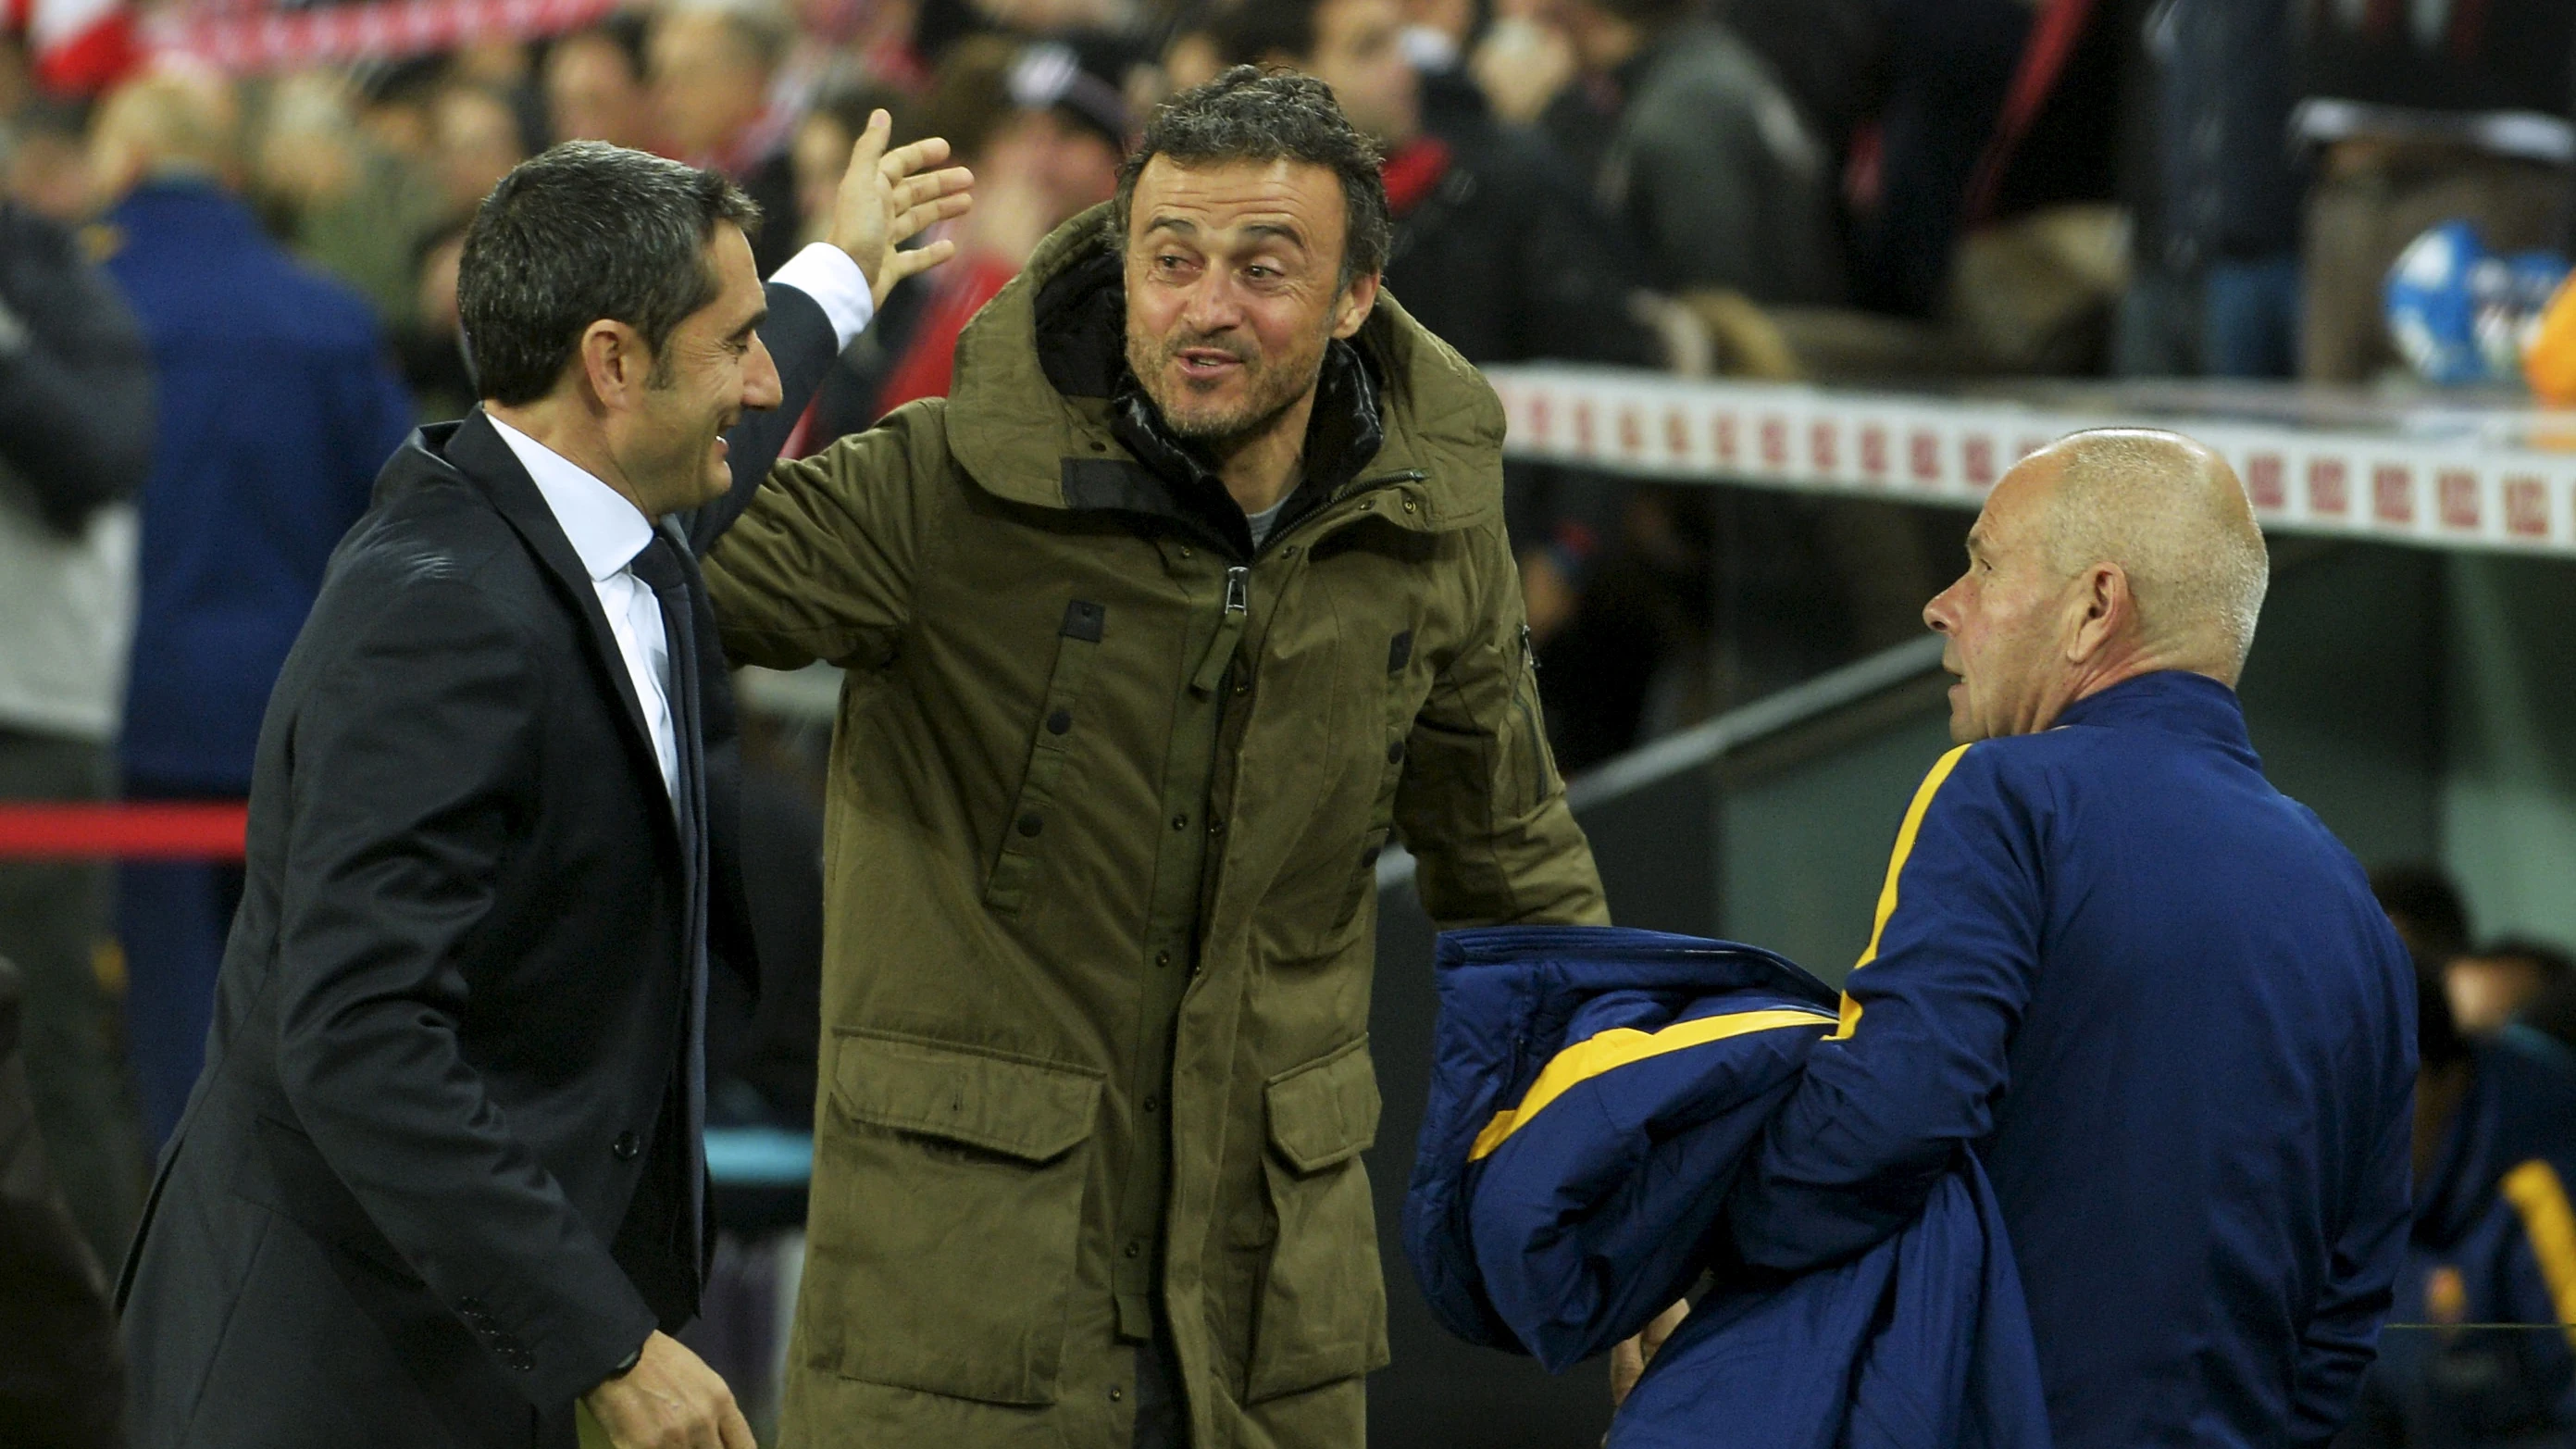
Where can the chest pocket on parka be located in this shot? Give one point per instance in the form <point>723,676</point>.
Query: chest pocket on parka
<point>1077,647</point>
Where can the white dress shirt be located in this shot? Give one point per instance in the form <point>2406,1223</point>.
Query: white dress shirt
<point>607,531</point>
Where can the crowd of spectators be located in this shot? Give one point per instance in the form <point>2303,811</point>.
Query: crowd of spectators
<point>1774,188</point>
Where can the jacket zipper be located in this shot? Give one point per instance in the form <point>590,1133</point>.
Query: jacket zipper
<point>1521,689</point>
<point>1229,631</point>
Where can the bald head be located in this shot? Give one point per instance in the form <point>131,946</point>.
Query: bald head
<point>168,121</point>
<point>2171,513</point>
<point>2102,557</point>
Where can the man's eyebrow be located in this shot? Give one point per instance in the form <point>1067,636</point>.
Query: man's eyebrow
<point>1279,229</point>
<point>748,328</point>
<point>1177,225</point>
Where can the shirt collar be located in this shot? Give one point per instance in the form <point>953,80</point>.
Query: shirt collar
<point>603,527</point>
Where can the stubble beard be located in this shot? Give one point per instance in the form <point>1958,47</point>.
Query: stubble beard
<point>1272,391</point>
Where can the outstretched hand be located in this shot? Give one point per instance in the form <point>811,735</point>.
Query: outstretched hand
<point>889,197</point>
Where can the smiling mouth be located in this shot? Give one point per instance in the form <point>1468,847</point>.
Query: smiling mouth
<point>1206,362</point>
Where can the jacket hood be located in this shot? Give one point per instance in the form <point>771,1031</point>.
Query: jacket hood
<point>1039,371</point>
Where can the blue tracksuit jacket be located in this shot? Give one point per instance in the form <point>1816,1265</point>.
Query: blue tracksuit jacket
<point>2156,998</point>
<point>1594,1091</point>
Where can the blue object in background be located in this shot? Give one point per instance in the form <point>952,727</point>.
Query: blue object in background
<point>2458,313</point>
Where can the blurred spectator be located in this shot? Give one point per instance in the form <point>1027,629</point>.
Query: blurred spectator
<point>1948,67</point>
<point>2474,1357</point>
<point>277,406</point>
<point>62,1379</point>
<point>432,344</point>
<point>48,165</point>
<point>821,150</point>
<point>2436,111</point>
<point>75,385</point>
<point>2491,985</point>
<point>2214,197</point>
<point>348,203</point>
<point>713,66</point>
<point>595,89</point>
<point>2425,907</point>
<point>1709,165</point>
<point>1044,137</point>
<point>476,135</point>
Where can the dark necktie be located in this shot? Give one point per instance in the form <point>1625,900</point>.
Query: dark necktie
<point>665,565</point>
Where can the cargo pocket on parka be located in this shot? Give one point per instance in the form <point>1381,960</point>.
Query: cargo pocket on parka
<point>954,1217</point>
<point>1322,1314</point>
<point>1077,643</point>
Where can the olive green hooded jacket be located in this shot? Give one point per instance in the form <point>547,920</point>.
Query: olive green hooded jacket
<point>1107,793</point>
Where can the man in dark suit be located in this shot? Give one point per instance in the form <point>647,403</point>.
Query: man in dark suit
<point>443,1175</point>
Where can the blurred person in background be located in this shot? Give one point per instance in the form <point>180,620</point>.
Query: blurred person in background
<point>277,404</point>
<point>475,139</point>
<point>2482,1358</point>
<point>432,344</point>
<point>48,162</point>
<point>62,1378</point>
<point>2423,903</point>
<point>345,199</point>
<point>714,65</point>
<point>2213,190</point>
<point>75,445</point>
<point>2434,111</point>
<point>2491,985</point>
<point>596,90</point>
<point>1709,164</point>
<point>1047,137</point>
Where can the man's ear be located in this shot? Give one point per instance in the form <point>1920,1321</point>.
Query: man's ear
<point>1354,305</point>
<point>2102,608</point>
<point>614,363</point>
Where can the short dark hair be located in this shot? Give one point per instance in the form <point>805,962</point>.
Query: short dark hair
<point>1246,115</point>
<point>585,231</point>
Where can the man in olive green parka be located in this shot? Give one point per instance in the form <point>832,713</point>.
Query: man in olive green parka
<point>1192,597</point>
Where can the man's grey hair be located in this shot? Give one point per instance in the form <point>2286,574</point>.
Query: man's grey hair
<point>583,232</point>
<point>2176,520</point>
<point>1247,115</point>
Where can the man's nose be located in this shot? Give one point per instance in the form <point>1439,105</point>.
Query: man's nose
<point>1938,614</point>
<point>1212,306</point>
<point>761,389</point>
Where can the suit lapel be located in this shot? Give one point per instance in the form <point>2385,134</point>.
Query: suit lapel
<point>478,452</point>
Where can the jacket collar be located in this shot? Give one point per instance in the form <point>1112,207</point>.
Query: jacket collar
<point>474,452</point>
<point>2174,700</point>
<point>198,204</point>
<point>1033,415</point>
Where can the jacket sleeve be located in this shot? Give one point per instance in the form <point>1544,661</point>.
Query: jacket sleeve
<point>2342,1335</point>
<point>76,419</point>
<point>1480,804</point>
<point>821,564</point>
<point>1914,1071</point>
<point>410,757</point>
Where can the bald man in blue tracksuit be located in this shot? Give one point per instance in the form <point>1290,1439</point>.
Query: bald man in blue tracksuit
<point>2151,994</point>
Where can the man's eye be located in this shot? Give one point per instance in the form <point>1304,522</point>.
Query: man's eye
<point>1260,274</point>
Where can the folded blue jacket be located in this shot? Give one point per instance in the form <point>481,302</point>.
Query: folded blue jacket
<point>1594,1091</point>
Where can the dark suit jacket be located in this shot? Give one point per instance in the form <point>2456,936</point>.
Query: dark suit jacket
<point>434,1183</point>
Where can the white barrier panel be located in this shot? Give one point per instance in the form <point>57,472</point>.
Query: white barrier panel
<point>2441,475</point>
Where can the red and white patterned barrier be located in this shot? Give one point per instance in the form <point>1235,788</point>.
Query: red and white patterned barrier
<point>249,40</point>
<point>2437,477</point>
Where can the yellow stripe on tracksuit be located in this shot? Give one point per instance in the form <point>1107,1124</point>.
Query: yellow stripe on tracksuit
<point>1905,834</point>
<point>2535,1192</point>
<point>1620,1046</point>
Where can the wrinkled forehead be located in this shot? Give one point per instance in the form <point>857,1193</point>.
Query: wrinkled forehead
<point>1237,203</point>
